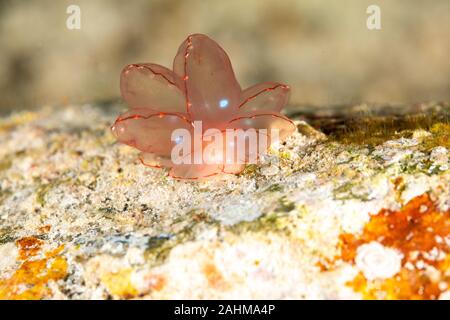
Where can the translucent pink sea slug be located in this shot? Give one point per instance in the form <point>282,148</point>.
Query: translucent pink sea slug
<point>201,96</point>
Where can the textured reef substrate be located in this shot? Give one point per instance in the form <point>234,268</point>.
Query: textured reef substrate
<point>354,205</point>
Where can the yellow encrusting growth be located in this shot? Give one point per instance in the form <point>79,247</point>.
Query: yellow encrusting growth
<point>119,283</point>
<point>30,280</point>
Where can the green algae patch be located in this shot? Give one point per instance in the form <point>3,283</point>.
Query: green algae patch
<point>276,187</point>
<point>250,170</point>
<point>5,164</point>
<point>6,235</point>
<point>376,130</point>
<point>281,219</point>
<point>159,247</point>
<point>440,136</point>
<point>4,194</point>
<point>372,132</point>
<point>42,192</point>
<point>349,191</point>
<point>44,188</point>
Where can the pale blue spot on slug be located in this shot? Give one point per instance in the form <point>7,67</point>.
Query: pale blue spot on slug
<point>179,139</point>
<point>223,103</point>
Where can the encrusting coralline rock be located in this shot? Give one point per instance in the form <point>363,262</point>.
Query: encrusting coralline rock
<point>361,212</point>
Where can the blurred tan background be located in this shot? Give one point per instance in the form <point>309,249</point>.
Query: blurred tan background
<point>323,49</point>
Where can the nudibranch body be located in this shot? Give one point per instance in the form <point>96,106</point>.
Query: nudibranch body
<point>196,120</point>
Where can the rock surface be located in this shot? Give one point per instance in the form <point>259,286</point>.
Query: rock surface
<point>361,212</point>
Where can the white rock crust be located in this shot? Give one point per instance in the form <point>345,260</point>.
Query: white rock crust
<point>376,261</point>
